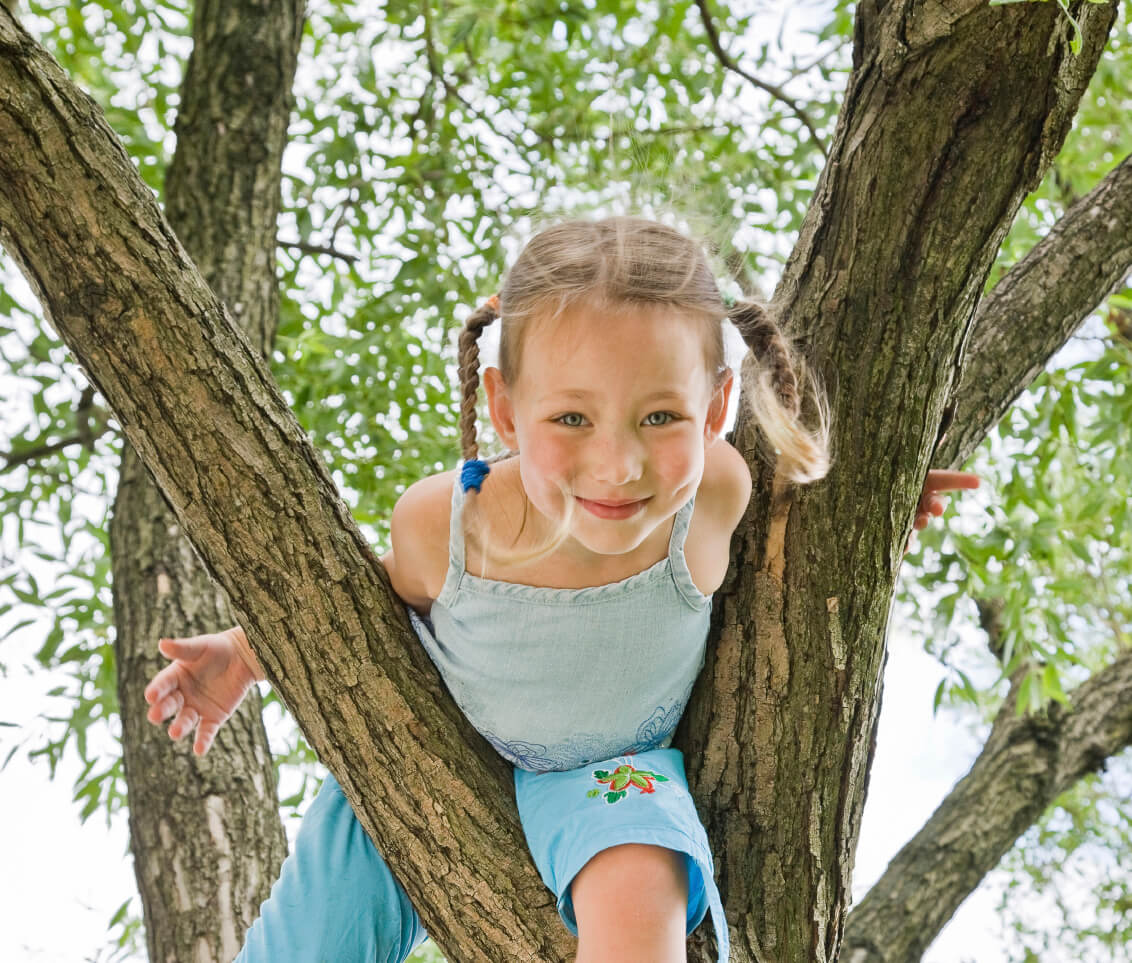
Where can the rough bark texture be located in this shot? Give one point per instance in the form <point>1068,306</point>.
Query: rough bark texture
<point>1027,762</point>
<point>205,833</point>
<point>952,113</point>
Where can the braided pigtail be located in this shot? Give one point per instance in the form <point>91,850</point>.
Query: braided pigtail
<point>779,383</point>
<point>468,354</point>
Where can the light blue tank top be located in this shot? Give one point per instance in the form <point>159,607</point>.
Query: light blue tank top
<point>557,678</point>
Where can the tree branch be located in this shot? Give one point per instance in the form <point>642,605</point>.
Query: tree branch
<point>1037,305</point>
<point>199,405</point>
<point>42,451</point>
<point>777,92</point>
<point>90,423</point>
<point>1027,762</point>
<point>308,248</point>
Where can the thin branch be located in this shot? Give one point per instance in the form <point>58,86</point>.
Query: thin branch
<point>776,92</point>
<point>493,126</point>
<point>796,72</point>
<point>308,248</point>
<point>34,454</point>
<point>1037,305</point>
<point>435,75</point>
<point>90,423</point>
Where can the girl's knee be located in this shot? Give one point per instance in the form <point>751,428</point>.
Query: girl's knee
<point>634,883</point>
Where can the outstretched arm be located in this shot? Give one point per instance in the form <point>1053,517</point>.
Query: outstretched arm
<point>210,674</point>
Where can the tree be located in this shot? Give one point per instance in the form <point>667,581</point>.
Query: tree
<point>948,120</point>
<point>206,834</point>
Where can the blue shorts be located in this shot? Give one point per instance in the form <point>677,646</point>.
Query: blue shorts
<point>569,817</point>
<point>337,900</point>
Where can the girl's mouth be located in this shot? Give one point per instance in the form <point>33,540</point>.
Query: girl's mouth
<point>612,509</point>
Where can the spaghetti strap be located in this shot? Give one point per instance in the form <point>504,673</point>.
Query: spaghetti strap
<point>456,553</point>
<point>681,574</point>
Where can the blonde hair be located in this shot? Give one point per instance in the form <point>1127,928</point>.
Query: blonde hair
<point>632,263</point>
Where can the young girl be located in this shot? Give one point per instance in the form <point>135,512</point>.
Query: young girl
<point>564,597</point>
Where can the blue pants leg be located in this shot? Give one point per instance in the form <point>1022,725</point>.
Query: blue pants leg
<point>335,899</point>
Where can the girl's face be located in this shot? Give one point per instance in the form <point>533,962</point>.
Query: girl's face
<point>612,412</point>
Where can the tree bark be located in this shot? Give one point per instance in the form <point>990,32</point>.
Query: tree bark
<point>1027,762</point>
<point>951,115</point>
<point>206,834</point>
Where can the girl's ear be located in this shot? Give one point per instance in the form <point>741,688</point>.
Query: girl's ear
<point>501,408</point>
<point>717,410</point>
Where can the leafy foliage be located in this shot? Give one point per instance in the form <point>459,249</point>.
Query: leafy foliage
<point>1063,888</point>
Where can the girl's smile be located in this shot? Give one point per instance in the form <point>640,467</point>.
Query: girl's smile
<point>612,509</point>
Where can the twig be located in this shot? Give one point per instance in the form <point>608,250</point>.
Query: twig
<point>32,454</point>
<point>776,92</point>
<point>90,423</point>
<point>796,72</point>
<point>307,248</point>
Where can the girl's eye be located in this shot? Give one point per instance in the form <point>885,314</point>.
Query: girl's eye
<point>655,419</point>
<point>571,419</point>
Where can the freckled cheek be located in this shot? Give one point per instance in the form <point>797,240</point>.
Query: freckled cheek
<point>551,459</point>
<point>678,464</point>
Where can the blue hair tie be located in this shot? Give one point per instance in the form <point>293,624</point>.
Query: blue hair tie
<point>473,473</point>
<point>728,301</point>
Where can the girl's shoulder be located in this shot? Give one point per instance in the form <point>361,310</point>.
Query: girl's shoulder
<point>726,487</point>
<point>721,501</point>
<point>419,533</point>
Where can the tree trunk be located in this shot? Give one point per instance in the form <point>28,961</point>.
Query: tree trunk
<point>206,833</point>
<point>952,113</point>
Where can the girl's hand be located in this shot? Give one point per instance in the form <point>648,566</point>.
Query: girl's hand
<point>207,679</point>
<point>932,502</point>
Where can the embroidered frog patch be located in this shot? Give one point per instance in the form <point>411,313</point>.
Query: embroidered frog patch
<point>621,779</point>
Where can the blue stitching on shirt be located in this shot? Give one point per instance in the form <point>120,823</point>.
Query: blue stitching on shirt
<point>536,757</point>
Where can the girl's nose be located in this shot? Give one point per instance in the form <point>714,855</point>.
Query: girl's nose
<point>617,459</point>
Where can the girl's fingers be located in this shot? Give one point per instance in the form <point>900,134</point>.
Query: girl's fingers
<point>160,686</point>
<point>205,735</point>
<point>942,481</point>
<point>187,649</point>
<point>166,707</point>
<point>184,723</point>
